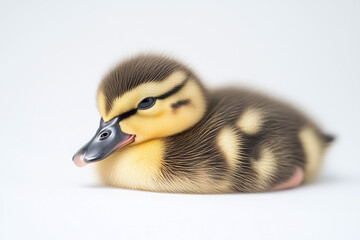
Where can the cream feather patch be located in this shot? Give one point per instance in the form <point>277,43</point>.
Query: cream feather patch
<point>250,121</point>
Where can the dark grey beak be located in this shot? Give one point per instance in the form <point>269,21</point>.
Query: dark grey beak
<point>108,138</point>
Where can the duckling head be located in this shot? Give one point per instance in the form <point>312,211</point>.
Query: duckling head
<point>143,98</point>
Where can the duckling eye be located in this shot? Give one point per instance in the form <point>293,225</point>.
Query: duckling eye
<point>146,103</point>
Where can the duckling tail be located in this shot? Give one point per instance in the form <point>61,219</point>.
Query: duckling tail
<point>328,138</point>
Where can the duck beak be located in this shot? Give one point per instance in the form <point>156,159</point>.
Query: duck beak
<point>108,138</point>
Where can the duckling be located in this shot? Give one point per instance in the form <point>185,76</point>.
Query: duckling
<point>162,130</point>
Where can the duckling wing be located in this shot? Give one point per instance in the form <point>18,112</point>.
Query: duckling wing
<point>246,142</point>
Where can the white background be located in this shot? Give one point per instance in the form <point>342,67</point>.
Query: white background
<point>53,55</point>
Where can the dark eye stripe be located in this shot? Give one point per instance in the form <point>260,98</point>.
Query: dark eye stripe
<point>174,90</point>
<point>165,95</point>
<point>127,114</point>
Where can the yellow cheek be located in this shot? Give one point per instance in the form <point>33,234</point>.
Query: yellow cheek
<point>144,127</point>
<point>145,122</point>
<point>162,120</point>
<point>147,127</point>
<point>164,123</point>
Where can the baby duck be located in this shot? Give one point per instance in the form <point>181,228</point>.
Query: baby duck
<point>162,130</point>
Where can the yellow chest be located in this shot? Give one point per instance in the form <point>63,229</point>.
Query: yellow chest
<point>134,167</point>
<point>141,167</point>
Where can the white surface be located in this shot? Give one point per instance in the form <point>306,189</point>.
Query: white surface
<point>53,55</point>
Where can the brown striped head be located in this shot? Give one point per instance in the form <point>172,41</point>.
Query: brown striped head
<point>153,96</point>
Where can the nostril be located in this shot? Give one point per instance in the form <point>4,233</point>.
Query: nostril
<point>104,135</point>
